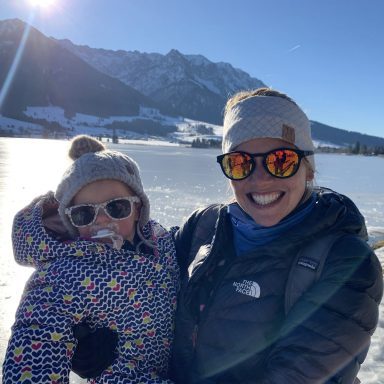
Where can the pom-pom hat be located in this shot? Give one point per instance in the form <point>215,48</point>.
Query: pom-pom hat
<point>93,162</point>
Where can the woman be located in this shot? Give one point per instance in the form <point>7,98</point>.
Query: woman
<point>232,324</point>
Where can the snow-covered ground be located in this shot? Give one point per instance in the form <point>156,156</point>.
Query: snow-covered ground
<point>98,126</point>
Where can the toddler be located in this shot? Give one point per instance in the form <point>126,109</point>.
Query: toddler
<point>108,265</point>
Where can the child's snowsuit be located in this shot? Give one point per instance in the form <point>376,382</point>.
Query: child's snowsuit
<point>83,281</point>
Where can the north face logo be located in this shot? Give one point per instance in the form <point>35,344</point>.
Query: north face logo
<point>248,287</point>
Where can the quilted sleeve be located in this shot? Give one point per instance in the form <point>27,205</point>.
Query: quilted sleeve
<point>327,332</point>
<point>42,342</point>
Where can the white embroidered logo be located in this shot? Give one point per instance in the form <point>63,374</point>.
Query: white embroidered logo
<point>248,287</point>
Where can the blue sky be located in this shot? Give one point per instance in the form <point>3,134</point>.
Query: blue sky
<point>328,55</point>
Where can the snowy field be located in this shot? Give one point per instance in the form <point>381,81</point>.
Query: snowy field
<point>177,180</point>
<point>96,126</point>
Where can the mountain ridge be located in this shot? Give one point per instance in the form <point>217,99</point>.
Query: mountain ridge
<point>193,85</point>
<point>48,74</point>
<point>148,86</point>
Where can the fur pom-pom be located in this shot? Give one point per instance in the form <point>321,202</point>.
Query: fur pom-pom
<point>83,144</point>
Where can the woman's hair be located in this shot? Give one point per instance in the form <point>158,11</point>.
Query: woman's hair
<point>242,95</point>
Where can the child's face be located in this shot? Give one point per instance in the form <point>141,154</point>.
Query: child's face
<point>99,192</point>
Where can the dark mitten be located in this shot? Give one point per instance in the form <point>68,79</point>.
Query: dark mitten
<point>95,351</point>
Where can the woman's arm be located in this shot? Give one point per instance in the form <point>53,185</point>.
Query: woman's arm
<point>183,238</point>
<point>327,332</point>
<point>196,231</point>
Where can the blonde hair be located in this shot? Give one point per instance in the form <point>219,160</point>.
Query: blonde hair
<point>242,95</point>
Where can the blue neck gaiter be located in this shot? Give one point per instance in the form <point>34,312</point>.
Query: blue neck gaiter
<point>248,235</point>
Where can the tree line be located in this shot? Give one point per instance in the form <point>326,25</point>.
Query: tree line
<point>355,149</point>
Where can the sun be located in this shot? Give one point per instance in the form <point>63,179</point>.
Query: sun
<point>42,3</point>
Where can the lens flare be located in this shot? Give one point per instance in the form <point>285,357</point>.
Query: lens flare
<point>42,3</point>
<point>12,70</point>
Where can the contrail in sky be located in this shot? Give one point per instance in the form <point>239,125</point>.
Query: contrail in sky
<point>294,48</point>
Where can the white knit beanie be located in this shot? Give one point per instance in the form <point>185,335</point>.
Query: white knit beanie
<point>93,162</point>
<point>267,117</point>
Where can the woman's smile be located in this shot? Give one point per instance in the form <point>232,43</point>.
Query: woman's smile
<point>265,199</point>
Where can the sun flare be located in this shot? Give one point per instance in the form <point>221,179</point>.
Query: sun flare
<point>42,3</point>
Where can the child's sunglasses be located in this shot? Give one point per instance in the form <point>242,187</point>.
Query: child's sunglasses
<point>280,162</point>
<point>116,209</point>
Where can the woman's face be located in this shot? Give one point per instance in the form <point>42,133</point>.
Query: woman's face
<point>99,192</point>
<point>265,198</point>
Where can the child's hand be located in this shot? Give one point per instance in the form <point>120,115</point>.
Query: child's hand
<point>95,351</point>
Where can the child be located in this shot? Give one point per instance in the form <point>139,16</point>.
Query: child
<point>112,267</point>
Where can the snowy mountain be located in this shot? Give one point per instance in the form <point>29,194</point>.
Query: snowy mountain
<point>191,84</point>
<point>341,138</point>
<point>61,89</point>
<point>48,74</point>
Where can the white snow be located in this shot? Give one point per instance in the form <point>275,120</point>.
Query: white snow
<point>82,123</point>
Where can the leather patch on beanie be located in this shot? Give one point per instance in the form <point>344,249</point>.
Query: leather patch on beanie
<point>288,133</point>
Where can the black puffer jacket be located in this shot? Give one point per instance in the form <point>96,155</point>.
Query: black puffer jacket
<point>228,332</point>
